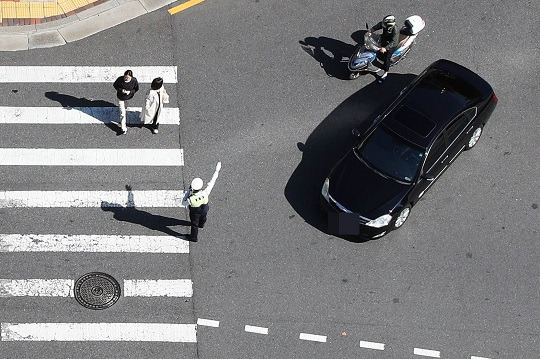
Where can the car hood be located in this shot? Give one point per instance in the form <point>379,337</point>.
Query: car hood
<point>362,190</point>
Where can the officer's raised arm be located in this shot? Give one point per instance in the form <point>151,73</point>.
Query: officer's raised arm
<point>212,182</point>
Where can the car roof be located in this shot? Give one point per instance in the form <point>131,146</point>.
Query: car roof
<point>436,96</point>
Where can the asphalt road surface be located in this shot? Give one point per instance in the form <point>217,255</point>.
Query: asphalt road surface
<point>261,89</point>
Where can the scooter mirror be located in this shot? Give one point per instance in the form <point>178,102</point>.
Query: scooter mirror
<point>367,26</point>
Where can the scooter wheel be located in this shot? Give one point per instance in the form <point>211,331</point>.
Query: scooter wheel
<point>354,75</point>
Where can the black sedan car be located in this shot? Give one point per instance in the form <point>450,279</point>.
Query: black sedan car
<point>440,114</point>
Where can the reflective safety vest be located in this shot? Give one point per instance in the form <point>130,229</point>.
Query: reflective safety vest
<point>198,199</point>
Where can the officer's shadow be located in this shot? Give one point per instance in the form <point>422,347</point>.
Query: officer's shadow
<point>332,54</point>
<point>129,213</point>
<point>99,109</point>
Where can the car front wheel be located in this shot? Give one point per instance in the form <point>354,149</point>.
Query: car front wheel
<point>474,138</point>
<point>402,217</point>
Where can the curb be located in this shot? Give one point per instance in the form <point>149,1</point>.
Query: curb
<point>76,27</point>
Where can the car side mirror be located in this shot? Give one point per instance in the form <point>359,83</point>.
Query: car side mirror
<point>428,177</point>
<point>356,133</point>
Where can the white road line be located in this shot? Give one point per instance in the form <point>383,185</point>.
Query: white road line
<point>144,332</point>
<point>92,243</point>
<point>474,357</point>
<point>427,353</point>
<point>208,322</point>
<point>313,337</point>
<point>91,157</point>
<point>254,329</point>
<point>80,115</point>
<point>371,345</point>
<point>36,287</point>
<point>64,288</point>
<point>85,199</point>
<point>158,288</point>
<point>84,74</point>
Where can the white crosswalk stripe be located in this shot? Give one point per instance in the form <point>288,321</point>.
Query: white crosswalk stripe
<point>84,74</point>
<point>31,155</point>
<point>147,332</point>
<point>64,288</point>
<point>91,243</point>
<point>80,115</point>
<point>91,199</point>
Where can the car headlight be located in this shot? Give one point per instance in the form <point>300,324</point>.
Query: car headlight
<point>324,190</point>
<point>380,222</point>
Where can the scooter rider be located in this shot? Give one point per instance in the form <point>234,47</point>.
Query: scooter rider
<point>389,41</point>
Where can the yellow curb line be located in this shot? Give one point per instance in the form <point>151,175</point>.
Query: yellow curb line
<point>184,6</point>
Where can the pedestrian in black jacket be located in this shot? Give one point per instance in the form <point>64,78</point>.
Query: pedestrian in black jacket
<point>389,41</point>
<point>125,86</point>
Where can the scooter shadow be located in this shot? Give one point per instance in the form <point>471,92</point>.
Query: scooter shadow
<point>330,141</point>
<point>332,54</point>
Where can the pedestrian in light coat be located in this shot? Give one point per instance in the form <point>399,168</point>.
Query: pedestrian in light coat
<point>153,104</point>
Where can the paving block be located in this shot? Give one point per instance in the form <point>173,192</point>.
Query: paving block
<point>13,42</point>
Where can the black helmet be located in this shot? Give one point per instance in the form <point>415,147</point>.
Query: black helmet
<point>389,21</point>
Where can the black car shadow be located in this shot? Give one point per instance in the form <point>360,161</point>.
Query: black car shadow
<point>134,215</point>
<point>331,140</point>
<point>332,54</point>
<point>99,109</point>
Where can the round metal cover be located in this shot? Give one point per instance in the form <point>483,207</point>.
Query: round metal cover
<point>96,290</point>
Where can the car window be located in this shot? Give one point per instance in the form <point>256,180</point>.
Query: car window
<point>438,148</point>
<point>391,155</point>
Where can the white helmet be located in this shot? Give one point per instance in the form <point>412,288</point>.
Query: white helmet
<point>197,184</point>
<point>389,21</point>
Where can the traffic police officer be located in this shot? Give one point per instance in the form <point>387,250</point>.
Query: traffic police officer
<point>197,201</point>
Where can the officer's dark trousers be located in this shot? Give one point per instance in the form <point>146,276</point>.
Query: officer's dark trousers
<point>197,216</point>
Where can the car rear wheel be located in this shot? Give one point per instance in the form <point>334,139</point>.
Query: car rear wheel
<point>402,217</point>
<point>474,138</point>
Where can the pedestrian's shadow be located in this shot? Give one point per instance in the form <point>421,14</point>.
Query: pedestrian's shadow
<point>129,213</point>
<point>330,141</point>
<point>101,110</point>
<point>331,54</point>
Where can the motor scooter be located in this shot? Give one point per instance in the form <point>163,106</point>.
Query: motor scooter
<point>365,60</point>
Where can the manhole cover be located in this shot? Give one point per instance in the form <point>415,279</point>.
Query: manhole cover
<point>96,290</point>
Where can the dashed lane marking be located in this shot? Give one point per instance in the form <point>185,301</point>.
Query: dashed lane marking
<point>184,6</point>
<point>80,115</point>
<point>427,353</point>
<point>371,345</point>
<point>86,199</point>
<point>208,322</point>
<point>144,332</point>
<point>254,329</point>
<point>92,243</point>
<point>84,74</point>
<point>91,157</point>
<point>64,288</point>
<point>313,337</point>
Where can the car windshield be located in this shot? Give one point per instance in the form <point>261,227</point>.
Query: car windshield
<point>391,155</point>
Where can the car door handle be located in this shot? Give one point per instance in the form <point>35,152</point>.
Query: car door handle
<point>445,158</point>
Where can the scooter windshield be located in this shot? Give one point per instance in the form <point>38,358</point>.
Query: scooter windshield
<point>371,41</point>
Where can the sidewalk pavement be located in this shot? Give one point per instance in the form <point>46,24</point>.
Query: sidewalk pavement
<point>48,23</point>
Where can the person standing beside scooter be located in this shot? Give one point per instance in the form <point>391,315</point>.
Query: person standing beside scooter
<point>389,41</point>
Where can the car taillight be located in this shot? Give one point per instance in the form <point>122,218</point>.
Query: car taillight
<point>494,97</point>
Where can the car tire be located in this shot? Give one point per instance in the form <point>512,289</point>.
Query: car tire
<point>402,217</point>
<point>354,75</point>
<point>473,140</point>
